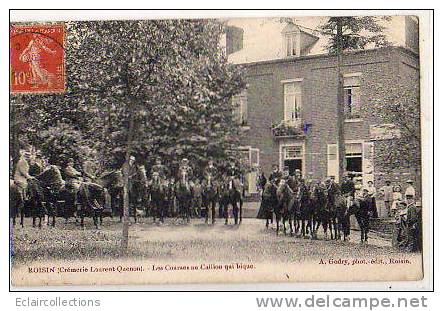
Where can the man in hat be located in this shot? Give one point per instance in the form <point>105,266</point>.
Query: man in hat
<point>410,190</point>
<point>184,166</point>
<point>276,174</point>
<point>347,186</point>
<point>414,219</point>
<point>159,168</point>
<point>387,192</point>
<point>21,174</point>
<point>211,169</point>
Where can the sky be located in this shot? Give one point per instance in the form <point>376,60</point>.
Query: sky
<point>262,38</point>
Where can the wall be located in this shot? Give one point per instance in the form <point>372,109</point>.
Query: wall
<point>319,89</point>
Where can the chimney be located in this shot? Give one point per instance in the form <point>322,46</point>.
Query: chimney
<point>234,39</point>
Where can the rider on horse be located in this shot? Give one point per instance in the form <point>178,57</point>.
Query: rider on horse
<point>159,168</point>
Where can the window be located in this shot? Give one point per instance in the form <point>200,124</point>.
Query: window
<point>351,92</point>
<point>241,107</point>
<point>354,159</point>
<point>292,100</point>
<point>292,44</point>
<point>292,158</point>
<point>292,152</point>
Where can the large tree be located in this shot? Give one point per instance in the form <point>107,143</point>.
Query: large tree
<point>158,87</point>
<point>348,33</point>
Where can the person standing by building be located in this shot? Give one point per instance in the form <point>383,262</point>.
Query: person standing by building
<point>410,190</point>
<point>414,219</point>
<point>261,181</point>
<point>397,198</point>
<point>372,192</point>
<point>387,195</point>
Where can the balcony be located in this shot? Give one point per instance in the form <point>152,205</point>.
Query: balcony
<point>288,129</point>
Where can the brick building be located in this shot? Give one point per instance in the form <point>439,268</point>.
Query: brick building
<point>288,113</point>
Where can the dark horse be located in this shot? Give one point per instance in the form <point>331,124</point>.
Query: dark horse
<point>320,213</point>
<point>303,211</point>
<point>91,199</point>
<point>16,202</point>
<point>184,194</point>
<point>113,181</point>
<point>36,201</point>
<point>157,193</point>
<point>269,200</point>
<point>285,201</point>
<point>210,196</point>
<point>230,194</point>
<point>361,209</point>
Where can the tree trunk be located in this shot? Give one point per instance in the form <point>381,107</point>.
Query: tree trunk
<point>125,233</point>
<point>340,110</point>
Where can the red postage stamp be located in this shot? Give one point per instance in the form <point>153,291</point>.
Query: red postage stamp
<point>37,58</point>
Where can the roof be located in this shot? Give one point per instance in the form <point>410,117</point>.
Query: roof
<point>263,41</point>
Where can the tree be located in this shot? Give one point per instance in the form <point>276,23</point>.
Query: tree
<point>400,106</point>
<point>149,87</point>
<point>347,33</point>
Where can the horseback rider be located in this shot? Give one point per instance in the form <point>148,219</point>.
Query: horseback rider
<point>185,167</point>
<point>73,180</point>
<point>159,168</point>
<point>211,170</point>
<point>72,176</point>
<point>276,174</point>
<point>21,174</point>
<point>234,175</point>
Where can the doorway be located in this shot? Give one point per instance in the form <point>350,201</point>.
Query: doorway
<point>293,164</point>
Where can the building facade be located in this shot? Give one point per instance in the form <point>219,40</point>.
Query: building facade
<point>288,113</point>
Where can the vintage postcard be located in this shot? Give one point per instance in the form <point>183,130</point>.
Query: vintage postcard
<point>219,150</point>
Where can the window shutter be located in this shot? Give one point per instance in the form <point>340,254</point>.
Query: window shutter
<point>333,160</point>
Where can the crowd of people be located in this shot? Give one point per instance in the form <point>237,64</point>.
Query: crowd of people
<point>142,185</point>
<point>69,177</point>
<point>403,207</point>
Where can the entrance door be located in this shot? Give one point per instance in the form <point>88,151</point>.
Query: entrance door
<point>294,164</point>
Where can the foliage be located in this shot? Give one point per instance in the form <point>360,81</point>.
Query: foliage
<point>398,105</point>
<point>168,78</point>
<point>359,32</point>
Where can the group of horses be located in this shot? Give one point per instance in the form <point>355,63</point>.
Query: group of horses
<point>305,209</point>
<point>43,198</point>
<point>157,198</point>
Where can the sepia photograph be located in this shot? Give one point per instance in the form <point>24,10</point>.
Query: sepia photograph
<point>273,149</point>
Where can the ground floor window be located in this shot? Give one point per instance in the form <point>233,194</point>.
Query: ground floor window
<point>354,159</point>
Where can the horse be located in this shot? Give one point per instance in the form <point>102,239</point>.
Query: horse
<point>16,202</point>
<point>282,210</point>
<point>53,187</point>
<point>230,194</point>
<point>269,200</point>
<point>304,211</point>
<point>361,209</point>
<point>157,193</point>
<point>184,195</point>
<point>320,213</point>
<point>36,201</point>
<point>210,195</point>
<point>341,220</point>
<point>330,211</point>
<point>91,198</point>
